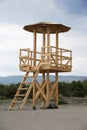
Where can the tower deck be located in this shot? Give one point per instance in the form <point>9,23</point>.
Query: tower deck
<point>47,60</point>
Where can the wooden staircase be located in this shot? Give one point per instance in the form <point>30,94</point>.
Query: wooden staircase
<point>24,89</point>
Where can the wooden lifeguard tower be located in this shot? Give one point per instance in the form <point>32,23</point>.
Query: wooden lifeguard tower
<point>51,59</point>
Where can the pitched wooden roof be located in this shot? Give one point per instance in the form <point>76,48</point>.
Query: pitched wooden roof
<point>42,27</point>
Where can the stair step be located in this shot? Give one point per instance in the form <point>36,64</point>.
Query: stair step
<point>16,101</point>
<point>22,88</point>
<point>20,95</point>
<point>26,82</point>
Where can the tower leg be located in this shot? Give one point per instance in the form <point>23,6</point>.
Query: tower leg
<point>56,90</point>
<point>43,101</point>
<point>48,90</point>
<point>34,93</point>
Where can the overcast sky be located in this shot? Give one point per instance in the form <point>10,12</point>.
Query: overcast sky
<point>14,14</point>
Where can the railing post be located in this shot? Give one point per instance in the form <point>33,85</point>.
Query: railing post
<point>31,59</point>
<point>48,42</point>
<point>43,42</point>
<point>19,57</point>
<point>57,46</point>
<point>50,52</point>
<point>42,52</point>
<point>61,57</point>
<point>28,56</point>
<point>71,58</point>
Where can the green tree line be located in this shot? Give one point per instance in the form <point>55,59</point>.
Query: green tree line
<point>8,91</point>
<point>73,89</point>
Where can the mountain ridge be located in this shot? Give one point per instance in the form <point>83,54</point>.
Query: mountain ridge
<point>16,79</point>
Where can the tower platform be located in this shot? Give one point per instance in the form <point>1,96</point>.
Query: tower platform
<point>47,60</point>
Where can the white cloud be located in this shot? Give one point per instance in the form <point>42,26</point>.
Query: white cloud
<point>13,37</point>
<point>27,11</point>
<point>15,14</point>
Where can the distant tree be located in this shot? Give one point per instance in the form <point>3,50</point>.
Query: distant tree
<point>85,87</point>
<point>11,89</point>
<point>63,88</point>
<point>3,91</point>
<point>77,89</point>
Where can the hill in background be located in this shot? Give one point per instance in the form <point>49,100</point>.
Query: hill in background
<point>16,79</point>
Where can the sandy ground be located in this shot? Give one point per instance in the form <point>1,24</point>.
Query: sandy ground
<point>65,118</point>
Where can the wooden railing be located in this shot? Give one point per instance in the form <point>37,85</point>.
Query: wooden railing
<point>26,57</point>
<point>48,56</point>
<point>61,59</point>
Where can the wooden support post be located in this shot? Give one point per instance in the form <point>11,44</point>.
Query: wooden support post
<point>44,40</point>
<point>34,92</point>
<point>56,46</point>
<point>56,102</point>
<point>48,88</point>
<point>43,80</point>
<point>43,47</point>
<point>34,49</point>
<point>48,41</point>
<point>34,64</point>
